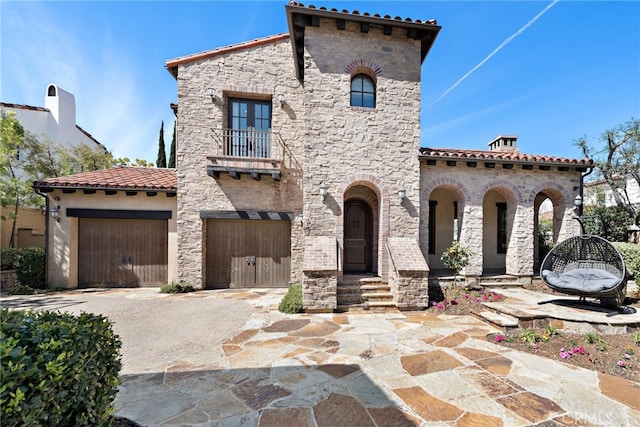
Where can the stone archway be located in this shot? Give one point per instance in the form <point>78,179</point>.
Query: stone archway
<point>361,219</point>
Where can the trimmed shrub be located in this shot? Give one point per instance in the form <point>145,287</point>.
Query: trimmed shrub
<point>180,287</point>
<point>21,289</point>
<point>29,264</point>
<point>292,301</point>
<point>8,258</point>
<point>57,369</point>
<point>631,254</point>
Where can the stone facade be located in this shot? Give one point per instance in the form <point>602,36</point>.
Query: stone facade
<point>476,190</point>
<point>328,155</point>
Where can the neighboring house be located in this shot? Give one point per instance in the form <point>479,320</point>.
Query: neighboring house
<point>55,122</point>
<point>299,160</point>
<point>600,192</point>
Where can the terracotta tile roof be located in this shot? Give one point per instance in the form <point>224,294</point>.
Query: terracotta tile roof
<point>503,156</point>
<point>23,107</point>
<point>172,64</point>
<point>429,22</point>
<point>118,178</point>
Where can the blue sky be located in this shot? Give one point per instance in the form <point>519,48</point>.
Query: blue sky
<point>547,71</point>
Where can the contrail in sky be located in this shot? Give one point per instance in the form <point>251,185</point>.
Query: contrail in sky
<point>496,50</point>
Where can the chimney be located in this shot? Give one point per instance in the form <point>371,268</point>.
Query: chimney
<point>505,143</point>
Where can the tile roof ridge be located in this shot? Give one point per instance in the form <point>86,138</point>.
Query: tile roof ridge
<point>356,12</point>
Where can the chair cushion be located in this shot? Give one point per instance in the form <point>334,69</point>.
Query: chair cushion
<point>582,279</point>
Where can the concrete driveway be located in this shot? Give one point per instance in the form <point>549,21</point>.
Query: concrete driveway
<point>155,329</point>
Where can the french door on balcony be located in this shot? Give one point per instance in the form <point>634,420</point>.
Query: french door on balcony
<point>249,128</point>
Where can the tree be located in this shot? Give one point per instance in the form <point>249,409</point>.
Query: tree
<point>172,151</point>
<point>12,189</point>
<point>25,159</point>
<point>617,158</point>
<point>609,222</point>
<point>161,161</point>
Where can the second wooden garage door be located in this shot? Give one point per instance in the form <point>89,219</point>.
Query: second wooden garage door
<point>122,252</point>
<point>248,253</point>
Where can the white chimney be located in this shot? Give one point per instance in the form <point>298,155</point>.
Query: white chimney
<point>507,143</point>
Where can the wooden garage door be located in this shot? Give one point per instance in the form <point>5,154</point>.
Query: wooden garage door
<point>122,252</point>
<point>248,253</point>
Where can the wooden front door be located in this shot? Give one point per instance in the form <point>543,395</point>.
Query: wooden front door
<point>358,232</point>
<point>248,253</point>
<point>122,252</point>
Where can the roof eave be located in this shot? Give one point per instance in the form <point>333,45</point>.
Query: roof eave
<point>424,31</point>
<point>45,186</point>
<point>589,165</point>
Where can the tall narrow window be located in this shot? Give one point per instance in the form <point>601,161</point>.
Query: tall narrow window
<point>249,128</point>
<point>363,91</point>
<point>432,226</point>
<point>502,228</point>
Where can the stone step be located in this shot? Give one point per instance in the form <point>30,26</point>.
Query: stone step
<point>501,320</point>
<point>381,304</point>
<point>382,287</point>
<point>349,289</point>
<point>350,299</point>
<point>500,284</point>
<point>377,296</point>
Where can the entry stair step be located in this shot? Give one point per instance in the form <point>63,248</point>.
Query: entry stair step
<point>363,293</point>
<point>500,281</point>
<point>500,320</point>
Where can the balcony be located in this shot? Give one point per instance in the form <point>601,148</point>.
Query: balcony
<point>252,152</point>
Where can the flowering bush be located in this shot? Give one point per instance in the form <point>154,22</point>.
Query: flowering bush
<point>456,257</point>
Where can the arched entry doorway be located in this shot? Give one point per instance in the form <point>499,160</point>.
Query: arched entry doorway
<point>358,236</point>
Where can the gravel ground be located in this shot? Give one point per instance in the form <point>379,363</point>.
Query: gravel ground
<point>155,330</point>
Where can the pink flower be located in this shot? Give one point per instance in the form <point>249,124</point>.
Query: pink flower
<point>565,354</point>
<point>622,363</point>
<point>475,300</point>
<point>579,350</point>
<point>485,298</point>
<point>627,356</point>
<point>454,302</point>
<point>499,338</point>
<point>534,346</point>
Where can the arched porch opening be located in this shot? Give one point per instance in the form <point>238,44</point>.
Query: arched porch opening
<point>498,215</point>
<point>444,217</point>
<point>548,210</point>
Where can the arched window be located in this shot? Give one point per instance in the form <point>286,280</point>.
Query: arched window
<point>51,91</point>
<point>363,91</point>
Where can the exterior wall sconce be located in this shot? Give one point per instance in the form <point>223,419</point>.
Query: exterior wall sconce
<point>281,99</point>
<point>577,202</point>
<point>212,93</point>
<point>323,191</point>
<point>55,213</point>
<point>402,194</point>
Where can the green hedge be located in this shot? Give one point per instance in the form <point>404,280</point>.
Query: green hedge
<point>30,267</point>
<point>180,287</point>
<point>8,258</point>
<point>292,301</point>
<point>631,254</point>
<point>57,369</point>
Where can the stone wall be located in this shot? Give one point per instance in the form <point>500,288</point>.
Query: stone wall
<point>320,282</point>
<point>261,72</point>
<point>374,147</point>
<point>408,275</point>
<point>8,279</point>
